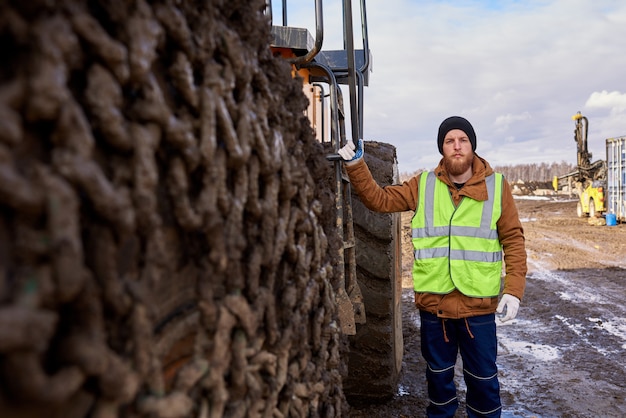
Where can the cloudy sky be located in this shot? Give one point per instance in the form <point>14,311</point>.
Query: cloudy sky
<point>517,70</point>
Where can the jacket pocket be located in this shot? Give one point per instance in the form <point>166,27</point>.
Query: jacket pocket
<point>478,306</point>
<point>427,301</point>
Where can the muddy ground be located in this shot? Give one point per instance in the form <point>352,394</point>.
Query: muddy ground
<point>565,353</point>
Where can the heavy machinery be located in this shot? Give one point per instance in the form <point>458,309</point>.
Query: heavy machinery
<point>600,185</point>
<point>173,239</point>
<point>589,180</point>
<point>369,300</point>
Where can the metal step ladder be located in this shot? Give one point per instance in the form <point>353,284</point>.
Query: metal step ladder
<point>348,67</point>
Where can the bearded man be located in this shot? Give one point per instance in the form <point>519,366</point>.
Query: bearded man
<point>465,219</point>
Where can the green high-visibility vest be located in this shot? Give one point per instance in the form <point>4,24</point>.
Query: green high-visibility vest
<point>457,246</point>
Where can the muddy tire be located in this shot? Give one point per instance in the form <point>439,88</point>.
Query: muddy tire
<point>592,209</point>
<point>376,349</point>
<point>168,245</point>
<point>579,210</point>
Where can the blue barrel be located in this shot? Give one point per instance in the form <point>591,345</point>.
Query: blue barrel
<point>611,219</point>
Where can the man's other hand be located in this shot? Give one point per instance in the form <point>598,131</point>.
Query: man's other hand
<point>508,307</point>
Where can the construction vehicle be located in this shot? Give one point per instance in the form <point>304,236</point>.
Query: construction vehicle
<point>589,179</point>
<point>370,298</point>
<point>174,241</point>
<point>600,185</point>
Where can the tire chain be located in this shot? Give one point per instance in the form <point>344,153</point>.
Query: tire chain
<point>145,146</point>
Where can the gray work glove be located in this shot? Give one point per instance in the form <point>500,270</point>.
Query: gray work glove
<point>350,153</point>
<point>508,307</point>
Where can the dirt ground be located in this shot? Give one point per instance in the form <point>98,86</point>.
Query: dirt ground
<point>565,353</point>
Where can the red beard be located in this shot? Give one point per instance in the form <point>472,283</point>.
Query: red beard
<point>457,166</point>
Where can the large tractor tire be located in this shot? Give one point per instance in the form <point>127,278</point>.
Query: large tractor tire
<point>376,350</point>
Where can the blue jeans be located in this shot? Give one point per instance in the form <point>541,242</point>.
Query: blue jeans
<point>475,339</point>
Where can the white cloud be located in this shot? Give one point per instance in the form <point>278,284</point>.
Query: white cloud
<point>614,101</point>
<point>504,121</point>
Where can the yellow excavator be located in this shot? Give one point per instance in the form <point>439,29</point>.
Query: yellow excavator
<point>589,180</point>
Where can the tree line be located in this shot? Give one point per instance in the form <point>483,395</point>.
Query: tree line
<point>535,172</point>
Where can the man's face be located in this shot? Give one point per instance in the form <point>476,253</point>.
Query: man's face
<point>457,152</point>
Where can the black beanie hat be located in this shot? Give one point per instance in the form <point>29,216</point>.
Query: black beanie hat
<point>456,122</point>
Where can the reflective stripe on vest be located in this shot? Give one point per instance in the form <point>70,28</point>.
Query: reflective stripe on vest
<point>457,247</point>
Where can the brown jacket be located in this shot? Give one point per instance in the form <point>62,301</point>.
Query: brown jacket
<point>403,197</point>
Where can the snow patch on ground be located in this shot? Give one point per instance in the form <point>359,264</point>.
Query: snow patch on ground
<point>616,327</point>
<point>527,219</point>
<point>541,352</point>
